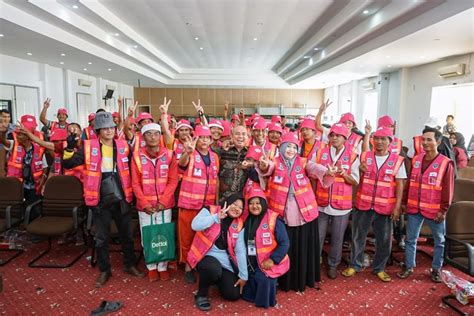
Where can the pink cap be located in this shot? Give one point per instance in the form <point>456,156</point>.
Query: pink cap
<point>58,134</point>
<point>183,123</point>
<point>248,121</point>
<point>256,192</point>
<point>115,114</point>
<point>276,119</point>
<point>62,111</point>
<point>385,121</point>
<point>144,116</point>
<point>216,123</point>
<point>347,117</point>
<point>254,152</point>
<point>383,132</point>
<point>339,129</point>
<point>90,117</point>
<point>198,120</point>
<point>132,120</point>
<point>260,124</point>
<point>290,137</point>
<point>202,131</point>
<point>275,127</point>
<point>227,128</point>
<point>235,117</point>
<point>29,122</point>
<point>308,123</point>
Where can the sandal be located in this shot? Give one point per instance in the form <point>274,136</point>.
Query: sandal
<point>383,276</point>
<point>107,307</point>
<point>202,303</point>
<point>349,272</point>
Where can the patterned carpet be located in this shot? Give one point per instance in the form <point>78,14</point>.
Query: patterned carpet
<point>71,292</point>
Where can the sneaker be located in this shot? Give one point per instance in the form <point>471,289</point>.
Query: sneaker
<point>349,272</point>
<point>383,276</point>
<point>332,273</point>
<point>189,277</point>
<point>152,275</point>
<point>164,275</point>
<point>405,272</point>
<point>435,276</point>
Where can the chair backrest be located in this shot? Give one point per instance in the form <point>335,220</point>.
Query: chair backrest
<point>61,195</point>
<point>466,173</point>
<point>463,190</point>
<point>470,163</point>
<point>460,225</point>
<point>11,193</point>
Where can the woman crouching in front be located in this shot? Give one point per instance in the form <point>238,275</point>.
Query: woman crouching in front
<point>218,251</point>
<point>267,247</point>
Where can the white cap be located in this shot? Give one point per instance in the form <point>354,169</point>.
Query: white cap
<point>151,127</point>
<point>433,122</point>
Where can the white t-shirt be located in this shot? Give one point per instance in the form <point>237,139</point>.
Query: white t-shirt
<point>402,172</point>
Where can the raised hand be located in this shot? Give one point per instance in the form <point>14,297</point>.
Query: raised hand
<point>132,108</point>
<point>120,101</point>
<point>223,211</point>
<point>190,144</point>
<point>264,163</point>
<point>324,106</point>
<point>368,127</point>
<point>46,103</point>
<point>198,107</point>
<point>226,106</point>
<point>164,106</point>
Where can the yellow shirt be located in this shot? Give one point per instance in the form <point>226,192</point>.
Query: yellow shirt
<point>107,158</point>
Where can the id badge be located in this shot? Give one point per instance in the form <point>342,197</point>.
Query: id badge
<point>197,172</point>
<point>431,180</point>
<point>252,251</point>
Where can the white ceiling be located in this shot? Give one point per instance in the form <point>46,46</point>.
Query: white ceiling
<point>245,43</point>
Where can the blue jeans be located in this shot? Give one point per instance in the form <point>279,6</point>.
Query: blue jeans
<point>415,221</point>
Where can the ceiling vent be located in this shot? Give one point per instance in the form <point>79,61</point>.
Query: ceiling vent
<point>85,83</point>
<point>452,71</point>
<point>368,86</point>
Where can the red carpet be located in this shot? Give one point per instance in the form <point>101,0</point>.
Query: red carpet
<point>71,292</point>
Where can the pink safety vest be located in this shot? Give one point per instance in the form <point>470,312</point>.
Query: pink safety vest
<point>354,140</point>
<point>93,173</point>
<point>203,240</point>
<point>377,187</point>
<point>90,133</point>
<point>424,189</point>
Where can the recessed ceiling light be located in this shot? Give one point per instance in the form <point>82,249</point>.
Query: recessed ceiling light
<point>365,11</point>
<point>116,34</point>
<point>61,62</point>
<point>29,54</point>
<point>316,48</point>
<point>306,57</point>
<point>255,38</point>
<point>89,63</point>
<point>196,38</point>
<point>85,69</point>
<point>135,46</point>
<point>75,7</point>
<point>1,35</point>
<point>110,69</point>
<point>62,54</point>
<point>201,48</point>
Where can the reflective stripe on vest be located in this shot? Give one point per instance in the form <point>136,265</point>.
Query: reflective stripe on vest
<point>339,194</point>
<point>93,173</point>
<point>153,177</point>
<point>203,240</point>
<point>265,243</point>
<point>90,133</point>
<point>377,187</point>
<point>424,191</point>
<point>417,145</point>
<point>279,185</point>
<point>199,183</point>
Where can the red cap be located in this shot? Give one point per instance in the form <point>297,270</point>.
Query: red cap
<point>216,123</point>
<point>276,119</point>
<point>144,116</point>
<point>383,132</point>
<point>183,123</point>
<point>290,137</point>
<point>256,192</point>
<point>308,123</point>
<point>62,111</point>
<point>29,122</point>
<point>385,121</point>
<point>91,117</point>
<point>260,124</point>
<point>254,152</point>
<point>197,121</point>
<point>347,117</point>
<point>275,127</point>
<point>58,134</point>
<point>248,121</point>
<point>200,130</point>
<point>235,117</point>
<point>132,120</point>
<point>227,128</point>
<point>339,129</point>
<point>115,114</point>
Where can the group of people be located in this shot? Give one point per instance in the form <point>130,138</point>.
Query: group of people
<point>255,198</point>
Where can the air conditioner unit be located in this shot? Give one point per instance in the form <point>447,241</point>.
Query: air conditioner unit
<point>85,83</point>
<point>368,86</point>
<point>452,71</point>
<point>109,87</point>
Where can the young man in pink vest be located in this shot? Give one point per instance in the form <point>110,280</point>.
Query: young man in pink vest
<point>52,125</point>
<point>107,191</point>
<point>335,202</point>
<point>199,188</point>
<point>259,137</point>
<point>154,180</point>
<point>430,193</point>
<point>378,203</point>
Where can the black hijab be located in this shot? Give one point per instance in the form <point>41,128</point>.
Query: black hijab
<point>253,221</point>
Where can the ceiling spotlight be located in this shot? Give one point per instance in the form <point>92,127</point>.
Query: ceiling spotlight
<point>135,46</point>
<point>109,69</point>
<point>306,57</point>
<point>316,48</point>
<point>75,7</point>
<point>85,69</point>
<point>61,62</point>
<point>365,11</point>
<point>255,38</point>
<point>201,48</point>
<point>29,54</point>
<point>116,34</point>
<point>89,63</point>
<point>196,38</point>
<point>62,54</point>
<point>1,35</point>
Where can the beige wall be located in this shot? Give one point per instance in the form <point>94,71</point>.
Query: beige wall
<point>214,99</point>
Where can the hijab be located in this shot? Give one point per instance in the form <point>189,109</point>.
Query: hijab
<point>288,162</point>
<point>253,221</point>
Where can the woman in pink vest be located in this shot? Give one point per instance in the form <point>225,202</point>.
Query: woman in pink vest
<point>267,247</point>
<point>290,195</point>
<point>218,251</point>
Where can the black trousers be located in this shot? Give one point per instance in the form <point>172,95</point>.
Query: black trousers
<point>31,197</point>
<point>211,272</point>
<point>102,218</point>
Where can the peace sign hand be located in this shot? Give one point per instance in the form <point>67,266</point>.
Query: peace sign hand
<point>132,108</point>
<point>223,211</point>
<point>325,105</point>
<point>198,107</point>
<point>46,103</point>
<point>332,170</point>
<point>368,127</point>
<point>190,144</point>
<point>164,107</point>
<point>264,163</point>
